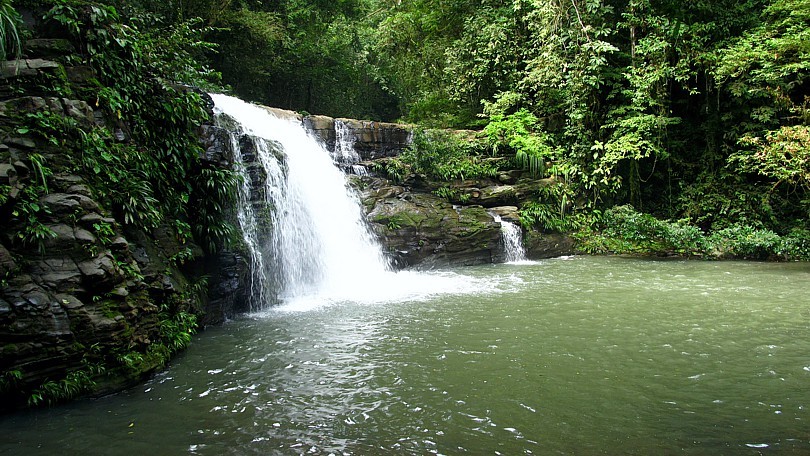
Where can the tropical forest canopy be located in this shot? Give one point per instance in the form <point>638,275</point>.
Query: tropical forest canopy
<point>694,111</point>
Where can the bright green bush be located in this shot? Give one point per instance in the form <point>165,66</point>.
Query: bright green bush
<point>796,245</point>
<point>622,229</point>
<point>445,156</point>
<point>647,233</point>
<point>744,241</point>
<point>625,230</point>
<point>520,133</point>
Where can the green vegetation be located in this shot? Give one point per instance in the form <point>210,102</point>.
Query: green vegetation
<point>551,210</point>
<point>446,156</point>
<point>688,111</point>
<point>622,229</point>
<point>520,133</point>
<point>143,73</point>
<point>10,21</point>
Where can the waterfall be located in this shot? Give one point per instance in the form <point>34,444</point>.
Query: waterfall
<point>512,240</point>
<point>345,155</point>
<point>304,227</point>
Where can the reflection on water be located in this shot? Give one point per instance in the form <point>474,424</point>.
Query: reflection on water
<point>567,356</point>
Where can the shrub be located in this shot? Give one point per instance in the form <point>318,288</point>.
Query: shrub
<point>744,241</point>
<point>445,156</point>
<point>626,230</point>
<point>795,245</point>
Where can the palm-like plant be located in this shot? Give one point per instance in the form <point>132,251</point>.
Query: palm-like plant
<point>10,20</point>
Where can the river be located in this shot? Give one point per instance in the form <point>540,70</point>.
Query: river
<point>580,355</point>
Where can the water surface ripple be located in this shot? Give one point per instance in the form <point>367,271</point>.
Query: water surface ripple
<point>567,356</point>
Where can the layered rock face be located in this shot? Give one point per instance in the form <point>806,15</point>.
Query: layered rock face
<point>78,286</point>
<point>371,140</point>
<point>423,230</point>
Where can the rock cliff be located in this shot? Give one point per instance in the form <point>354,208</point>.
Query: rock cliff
<point>88,300</point>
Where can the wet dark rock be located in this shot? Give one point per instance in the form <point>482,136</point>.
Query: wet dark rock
<point>372,140</point>
<point>63,205</point>
<point>424,231</point>
<point>8,174</point>
<point>228,291</point>
<point>58,274</point>
<point>48,48</point>
<point>7,263</point>
<point>80,74</point>
<point>548,245</point>
<point>99,272</point>
<point>26,67</point>
<point>217,145</point>
<point>25,143</point>
<point>120,244</point>
<point>22,169</point>
<point>80,189</point>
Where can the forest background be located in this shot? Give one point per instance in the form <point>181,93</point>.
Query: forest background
<point>694,112</point>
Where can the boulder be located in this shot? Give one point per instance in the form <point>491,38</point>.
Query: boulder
<point>48,47</point>
<point>7,263</point>
<point>424,231</point>
<point>99,272</point>
<point>508,213</point>
<point>548,245</point>
<point>62,205</point>
<point>58,274</point>
<point>283,114</point>
<point>26,67</point>
<point>216,145</point>
<point>8,174</point>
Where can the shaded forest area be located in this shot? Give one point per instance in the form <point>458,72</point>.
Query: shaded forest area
<point>694,112</point>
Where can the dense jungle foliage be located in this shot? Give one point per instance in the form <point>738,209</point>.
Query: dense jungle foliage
<point>695,112</point>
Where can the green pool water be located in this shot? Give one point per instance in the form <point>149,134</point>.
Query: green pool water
<point>581,355</point>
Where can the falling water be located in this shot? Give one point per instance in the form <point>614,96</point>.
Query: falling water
<point>318,239</point>
<point>512,240</point>
<point>304,227</point>
<point>345,155</point>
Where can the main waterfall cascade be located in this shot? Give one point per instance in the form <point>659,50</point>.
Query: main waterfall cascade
<point>304,228</point>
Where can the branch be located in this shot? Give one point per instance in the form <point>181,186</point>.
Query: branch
<point>579,18</point>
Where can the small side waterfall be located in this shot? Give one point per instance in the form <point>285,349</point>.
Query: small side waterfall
<point>512,240</point>
<point>345,156</point>
<point>304,227</point>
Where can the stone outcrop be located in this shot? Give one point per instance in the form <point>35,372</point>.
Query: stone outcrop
<point>422,230</point>
<point>228,293</point>
<point>548,245</point>
<point>371,140</point>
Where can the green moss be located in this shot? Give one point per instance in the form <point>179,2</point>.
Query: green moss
<point>401,220</point>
